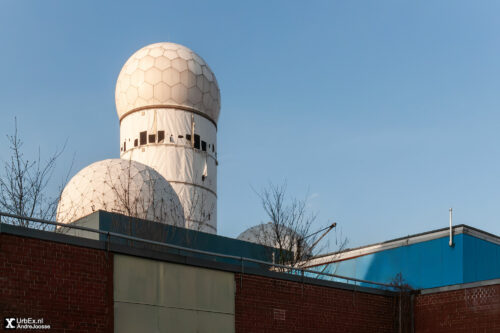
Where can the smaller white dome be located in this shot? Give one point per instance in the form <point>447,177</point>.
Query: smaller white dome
<point>266,234</point>
<point>126,187</point>
<point>271,234</point>
<point>260,234</point>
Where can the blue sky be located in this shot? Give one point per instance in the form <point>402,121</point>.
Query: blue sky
<point>384,113</point>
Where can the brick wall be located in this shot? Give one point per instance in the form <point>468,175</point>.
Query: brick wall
<point>70,287</point>
<point>269,305</point>
<point>464,310</point>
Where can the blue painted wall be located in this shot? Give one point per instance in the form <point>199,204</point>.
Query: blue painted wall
<point>481,259</point>
<point>427,264</point>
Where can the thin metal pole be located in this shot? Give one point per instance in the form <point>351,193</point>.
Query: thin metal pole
<point>451,227</point>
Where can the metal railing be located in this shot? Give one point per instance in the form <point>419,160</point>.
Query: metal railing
<point>303,272</point>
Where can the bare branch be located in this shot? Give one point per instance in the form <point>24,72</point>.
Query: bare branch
<point>289,228</point>
<point>24,183</point>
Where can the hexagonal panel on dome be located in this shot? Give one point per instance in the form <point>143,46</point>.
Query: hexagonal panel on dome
<point>171,77</point>
<point>131,94</point>
<point>194,95</point>
<point>194,67</point>
<point>153,76</point>
<point>146,91</point>
<point>171,54</point>
<point>161,92</point>
<point>136,79</point>
<point>146,63</point>
<point>179,93</point>
<point>141,53</point>
<point>164,73</point>
<point>188,79</point>
<point>156,52</point>
<point>162,63</point>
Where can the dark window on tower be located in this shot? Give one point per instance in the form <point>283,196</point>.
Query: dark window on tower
<point>188,137</point>
<point>124,145</point>
<point>213,148</point>
<point>203,146</point>
<point>151,138</point>
<point>180,136</point>
<point>161,136</point>
<point>197,141</point>
<point>143,137</point>
<point>136,143</point>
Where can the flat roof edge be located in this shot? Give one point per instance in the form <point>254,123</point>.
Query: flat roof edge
<point>460,286</point>
<point>178,258</point>
<point>402,241</point>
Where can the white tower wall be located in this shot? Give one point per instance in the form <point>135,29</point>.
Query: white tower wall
<point>165,92</point>
<point>168,148</point>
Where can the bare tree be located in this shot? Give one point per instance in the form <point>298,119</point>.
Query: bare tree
<point>151,202</point>
<point>332,266</point>
<point>24,183</point>
<point>193,210</point>
<point>290,228</point>
<point>155,205</point>
<point>403,303</point>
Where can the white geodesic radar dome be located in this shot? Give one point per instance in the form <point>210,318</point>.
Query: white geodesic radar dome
<point>120,186</point>
<point>167,74</point>
<point>267,234</point>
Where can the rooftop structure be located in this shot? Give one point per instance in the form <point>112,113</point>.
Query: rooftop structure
<point>168,104</point>
<point>424,260</point>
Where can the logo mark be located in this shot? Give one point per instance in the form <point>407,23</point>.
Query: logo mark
<point>9,323</point>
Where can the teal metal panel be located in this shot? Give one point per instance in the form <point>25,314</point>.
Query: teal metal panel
<point>177,236</point>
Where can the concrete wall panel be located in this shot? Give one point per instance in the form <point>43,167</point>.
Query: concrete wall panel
<point>136,280</point>
<point>155,296</point>
<point>131,317</point>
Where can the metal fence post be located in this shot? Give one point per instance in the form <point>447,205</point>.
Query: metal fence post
<point>302,280</point>
<point>107,244</point>
<point>354,294</point>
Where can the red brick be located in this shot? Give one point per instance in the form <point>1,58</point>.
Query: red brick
<point>270,305</point>
<point>70,287</point>
<point>464,310</point>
